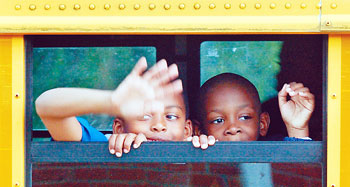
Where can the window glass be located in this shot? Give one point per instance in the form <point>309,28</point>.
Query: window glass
<point>257,61</point>
<point>87,67</point>
<point>177,174</point>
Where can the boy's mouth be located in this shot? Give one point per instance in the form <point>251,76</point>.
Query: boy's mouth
<point>156,140</point>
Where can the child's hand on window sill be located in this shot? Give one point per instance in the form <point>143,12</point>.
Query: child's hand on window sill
<point>202,141</point>
<point>119,143</point>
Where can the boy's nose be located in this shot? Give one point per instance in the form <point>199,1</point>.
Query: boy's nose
<point>158,127</point>
<point>232,130</point>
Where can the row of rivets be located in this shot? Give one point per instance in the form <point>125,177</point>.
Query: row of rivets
<point>168,6</point>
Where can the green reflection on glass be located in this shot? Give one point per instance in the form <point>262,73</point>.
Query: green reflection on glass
<point>87,67</point>
<point>257,61</point>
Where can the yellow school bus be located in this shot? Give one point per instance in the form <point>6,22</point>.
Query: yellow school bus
<point>22,20</point>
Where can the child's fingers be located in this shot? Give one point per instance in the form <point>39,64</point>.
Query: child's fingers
<point>156,70</point>
<point>119,145</point>
<point>111,143</point>
<point>203,141</point>
<point>211,140</point>
<point>139,139</point>
<point>282,95</point>
<point>140,66</point>
<point>302,91</point>
<point>128,141</point>
<point>309,97</point>
<point>164,78</point>
<point>172,88</point>
<point>195,141</point>
<point>294,85</point>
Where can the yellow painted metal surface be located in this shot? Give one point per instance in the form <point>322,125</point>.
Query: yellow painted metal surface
<point>5,110</point>
<point>12,111</point>
<point>333,114</point>
<point>335,15</point>
<point>158,16</point>
<point>345,109</point>
<point>158,8</point>
<point>18,108</point>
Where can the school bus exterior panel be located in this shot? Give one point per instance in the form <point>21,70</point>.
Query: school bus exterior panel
<point>20,18</point>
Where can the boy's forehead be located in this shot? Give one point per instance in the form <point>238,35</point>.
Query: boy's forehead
<point>227,88</point>
<point>232,91</point>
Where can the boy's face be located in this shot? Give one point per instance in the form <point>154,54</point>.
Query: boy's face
<point>232,114</point>
<point>169,124</point>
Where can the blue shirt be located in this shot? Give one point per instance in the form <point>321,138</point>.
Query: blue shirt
<point>90,134</point>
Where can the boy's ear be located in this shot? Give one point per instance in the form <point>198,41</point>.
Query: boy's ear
<point>264,123</point>
<point>118,126</point>
<point>188,129</point>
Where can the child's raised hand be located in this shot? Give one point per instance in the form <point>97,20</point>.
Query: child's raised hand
<point>203,141</point>
<point>140,90</point>
<point>296,112</point>
<point>119,143</point>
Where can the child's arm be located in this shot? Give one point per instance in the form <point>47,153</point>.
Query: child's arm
<point>58,107</point>
<point>297,111</point>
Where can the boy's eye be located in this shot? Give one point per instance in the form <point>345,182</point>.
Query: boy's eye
<point>218,121</point>
<point>146,117</point>
<point>245,117</point>
<point>171,117</point>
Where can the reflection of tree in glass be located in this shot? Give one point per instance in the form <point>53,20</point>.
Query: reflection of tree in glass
<point>87,67</point>
<point>258,61</point>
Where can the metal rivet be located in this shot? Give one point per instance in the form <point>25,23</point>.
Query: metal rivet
<point>152,6</point>
<point>181,6</point>
<point>47,7</point>
<point>32,7</point>
<point>121,6</point>
<point>319,5</point>
<point>288,5</point>
<point>76,7</point>
<point>333,185</point>
<point>62,6</point>
<point>17,95</point>
<point>334,96</point>
<point>197,6</point>
<point>107,6</point>
<point>272,5</point>
<point>92,7</point>
<point>257,5</point>
<point>227,6</point>
<point>303,5</point>
<point>328,23</point>
<point>212,6</point>
<point>333,6</point>
<point>242,6</point>
<point>17,184</point>
<point>137,6</point>
<point>167,6</point>
<point>18,7</point>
